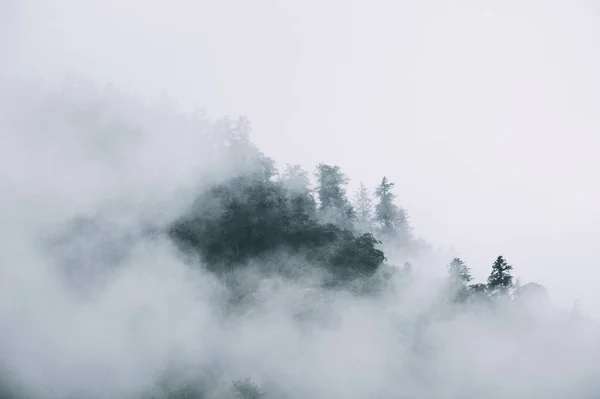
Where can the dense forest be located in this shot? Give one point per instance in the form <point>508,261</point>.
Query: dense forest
<point>262,211</point>
<point>245,224</point>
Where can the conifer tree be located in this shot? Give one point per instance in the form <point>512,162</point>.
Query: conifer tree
<point>392,220</point>
<point>331,188</point>
<point>303,206</point>
<point>459,272</point>
<point>460,276</point>
<point>478,290</point>
<point>500,279</point>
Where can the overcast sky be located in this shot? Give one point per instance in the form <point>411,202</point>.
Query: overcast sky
<point>485,114</point>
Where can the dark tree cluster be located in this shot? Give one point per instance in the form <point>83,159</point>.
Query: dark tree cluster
<point>260,211</point>
<point>252,211</point>
<point>251,216</point>
<point>500,282</point>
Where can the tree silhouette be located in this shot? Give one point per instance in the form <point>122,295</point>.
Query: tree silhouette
<point>500,279</point>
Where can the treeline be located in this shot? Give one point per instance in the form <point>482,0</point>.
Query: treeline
<point>250,211</point>
<point>261,211</point>
<point>499,282</point>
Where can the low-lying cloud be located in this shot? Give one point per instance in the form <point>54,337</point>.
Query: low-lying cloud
<point>95,301</point>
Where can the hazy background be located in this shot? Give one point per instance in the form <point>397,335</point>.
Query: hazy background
<point>484,113</point>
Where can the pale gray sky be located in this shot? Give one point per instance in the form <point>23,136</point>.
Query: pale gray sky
<point>485,113</point>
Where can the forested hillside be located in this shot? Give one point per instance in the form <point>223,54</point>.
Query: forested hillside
<point>184,264</point>
<point>262,211</point>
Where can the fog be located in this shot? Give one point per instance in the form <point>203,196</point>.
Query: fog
<point>482,113</point>
<point>502,94</point>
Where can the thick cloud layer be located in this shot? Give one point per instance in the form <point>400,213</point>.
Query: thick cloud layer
<point>108,308</point>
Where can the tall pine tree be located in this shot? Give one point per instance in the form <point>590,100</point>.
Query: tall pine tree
<point>460,276</point>
<point>500,279</point>
<point>334,205</point>
<point>459,272</point>
<point>302,203</point>
<point>392,220</point>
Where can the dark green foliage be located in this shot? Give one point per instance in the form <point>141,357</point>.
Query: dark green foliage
<point>355,256</point>
<point>334,205</point>
<point>302,202</point>
<point>237,220</point>
<point>478,288</point>
<point>249,216</point>
<point>254,215</point>
<point>500,279</point>
<point>331,186</point>
<point>474,293</point>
